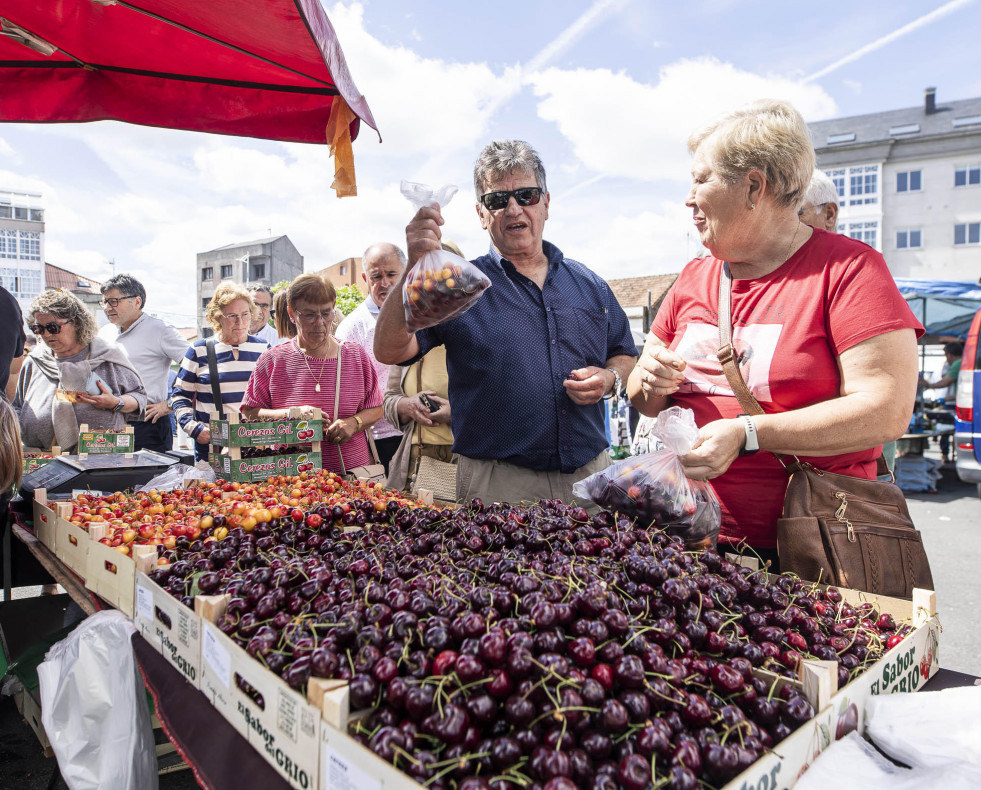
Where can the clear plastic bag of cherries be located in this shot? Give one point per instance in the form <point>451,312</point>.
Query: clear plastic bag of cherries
<point>441,285</point>
<point>652,488</point>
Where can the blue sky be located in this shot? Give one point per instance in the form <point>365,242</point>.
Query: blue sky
<point>607,91</point>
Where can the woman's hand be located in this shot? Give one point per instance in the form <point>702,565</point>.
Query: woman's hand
<point>204,437</point>
<point>104,400</point>
<point>442,415</point>
<point>306,412</point>
<point>718,446</point>
<point>659,369</point>
<point>339,431</point>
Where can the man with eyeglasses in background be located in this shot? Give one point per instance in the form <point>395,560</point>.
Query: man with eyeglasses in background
<point>151,345</point>
<point>263,298</point>
<point>531,361</point>
<point>383,266</point>
<point>820,206</point>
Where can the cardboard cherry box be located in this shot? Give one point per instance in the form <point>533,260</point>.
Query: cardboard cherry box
<point>90,442</point>
<point>235,433</point>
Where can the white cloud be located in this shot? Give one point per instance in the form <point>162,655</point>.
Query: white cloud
<point>422,105</point>
<point>622,127</point>
<point>6,152</point>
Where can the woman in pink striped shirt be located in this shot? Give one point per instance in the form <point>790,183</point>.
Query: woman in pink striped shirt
<point>303,372</point>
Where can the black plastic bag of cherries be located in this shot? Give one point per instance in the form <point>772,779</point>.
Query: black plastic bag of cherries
<point>653,489</point>
<point>441,285</point>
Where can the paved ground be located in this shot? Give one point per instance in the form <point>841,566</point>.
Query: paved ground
<point>950,521</point>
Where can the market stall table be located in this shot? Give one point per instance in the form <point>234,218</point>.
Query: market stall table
<point>201,735</point>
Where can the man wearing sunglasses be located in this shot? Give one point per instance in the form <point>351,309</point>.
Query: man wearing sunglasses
<point>530,363</point>
<point>151,345</point>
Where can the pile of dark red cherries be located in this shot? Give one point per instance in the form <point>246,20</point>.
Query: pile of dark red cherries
<point>504,647</point>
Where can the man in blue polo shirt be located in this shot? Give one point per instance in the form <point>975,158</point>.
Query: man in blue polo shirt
<point>530,363</point>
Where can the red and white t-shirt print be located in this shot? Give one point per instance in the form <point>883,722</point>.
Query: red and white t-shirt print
<point>755,347</point>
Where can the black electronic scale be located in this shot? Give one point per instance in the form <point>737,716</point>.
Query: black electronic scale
<point>104,472</point>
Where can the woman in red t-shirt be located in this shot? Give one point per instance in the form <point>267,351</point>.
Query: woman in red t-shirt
<point>303,372</point>
<point>822,337</point>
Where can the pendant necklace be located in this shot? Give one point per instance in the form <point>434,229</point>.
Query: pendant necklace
<point>322,366</point>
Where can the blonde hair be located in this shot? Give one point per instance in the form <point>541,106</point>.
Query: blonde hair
<point>284,327</point>
<point>67,307</point>
<point>226,293</point>
<point>767,135</point>
<point>11,457</point>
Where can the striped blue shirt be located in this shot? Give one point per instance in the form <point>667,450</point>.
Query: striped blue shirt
<point>191,397</point>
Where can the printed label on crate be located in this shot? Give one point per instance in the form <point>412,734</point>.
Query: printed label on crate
<point>144,602</point>
<point>258,434</point>
<point>283,755</point>
<point>249,470</point>
<point>32,463</point>
<point>217,657</point>
<point>105,442</point>
<point>342,774</point>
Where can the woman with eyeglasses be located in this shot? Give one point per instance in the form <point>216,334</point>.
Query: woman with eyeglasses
<point>230,313</point>
<point>304,373</point>
<point>72,377</point>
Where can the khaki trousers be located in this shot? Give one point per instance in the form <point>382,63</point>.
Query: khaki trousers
<point>496,481</point>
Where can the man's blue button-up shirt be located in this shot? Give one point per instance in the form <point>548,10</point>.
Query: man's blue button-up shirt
<point>509,354</point>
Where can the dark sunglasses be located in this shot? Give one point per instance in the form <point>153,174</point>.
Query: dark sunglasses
<point>51,329</point>
<point>526,196</point>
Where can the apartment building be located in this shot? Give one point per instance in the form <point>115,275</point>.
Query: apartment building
<point>909,184</point>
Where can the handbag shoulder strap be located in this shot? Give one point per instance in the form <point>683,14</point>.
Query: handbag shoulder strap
<point>336,415</point>
<point>337,406</point>
<point>726,352</point>
<point>213,372</point>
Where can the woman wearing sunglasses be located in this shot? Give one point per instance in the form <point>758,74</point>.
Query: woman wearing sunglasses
<point>72,377</point>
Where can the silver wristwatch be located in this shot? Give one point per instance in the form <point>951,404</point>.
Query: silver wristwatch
<point>119,405</point>
<point>617,385</point>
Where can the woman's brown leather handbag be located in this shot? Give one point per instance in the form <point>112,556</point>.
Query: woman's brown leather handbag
<point>836,529</point>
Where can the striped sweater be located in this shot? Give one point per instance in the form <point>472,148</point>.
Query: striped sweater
<point>191,397</point>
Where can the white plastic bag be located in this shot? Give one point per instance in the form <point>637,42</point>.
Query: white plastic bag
<point>853,764</point>
<point>653,488</point>
<point>929,728</point>
<point>441,285</point>
<point>93,707</point>
<point>174,476</point>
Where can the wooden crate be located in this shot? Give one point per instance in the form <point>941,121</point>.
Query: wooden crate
<point>904,668</point>
<point>47,516</point>
<point>110,574</point>
<point>276,720</point>
<point>234,433</point>
<point>32,464</point>
<point>72,546</point>
<point>171,628</point>
<point>97,442</point>
<point>29,707</point>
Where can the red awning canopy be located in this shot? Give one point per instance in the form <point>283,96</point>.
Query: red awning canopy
<point>256,68</point>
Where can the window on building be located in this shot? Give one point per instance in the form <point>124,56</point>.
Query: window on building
<point>967,233</point>
<point>20,212</point>
<point>863,185</point>
<point>37,215</point>
<point>258,271</point>
<point>204,303</point>
<point>207,331</point>
<point>207,273</point>
<point>909,181</point>
<point>865,231</point>
<point>226,271</point>
<point>968,175</point>
<point>6,211</point>
<point>8,244</point>
<point>343,269</point>
<point>30,245</point>
<point>844,137</point>
<point>909,239</point>
<point>838,178</point>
